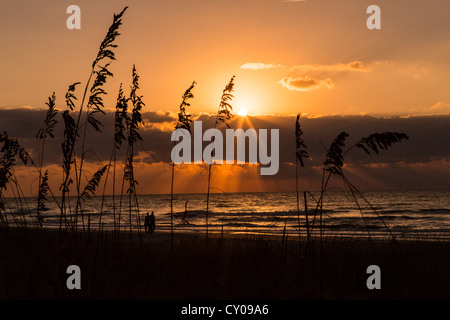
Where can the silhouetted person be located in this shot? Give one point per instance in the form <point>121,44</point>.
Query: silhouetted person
<point>147,223</point>
<point>152,222</point>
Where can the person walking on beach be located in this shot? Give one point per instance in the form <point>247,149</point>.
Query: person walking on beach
<point>147,223</point>
<point>152,222</point>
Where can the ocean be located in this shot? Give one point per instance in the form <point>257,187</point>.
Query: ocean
<point>404,214</point>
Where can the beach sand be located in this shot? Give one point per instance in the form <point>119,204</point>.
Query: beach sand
<point>33,264</point>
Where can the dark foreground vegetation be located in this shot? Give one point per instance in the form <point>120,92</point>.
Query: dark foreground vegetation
<point>33,266</point>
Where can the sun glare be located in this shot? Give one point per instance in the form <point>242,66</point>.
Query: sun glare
<point>243,112</point>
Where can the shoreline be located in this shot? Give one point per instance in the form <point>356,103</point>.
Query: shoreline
<point>166,235</point>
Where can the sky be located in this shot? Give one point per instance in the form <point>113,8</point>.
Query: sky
<point>312,57</point>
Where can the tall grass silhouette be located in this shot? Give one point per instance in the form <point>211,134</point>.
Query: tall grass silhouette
<point>90,189</point>
<point>300,154</point>
<point>223,115</point>
<point>11,151</point>
<point>134,136</point>
<point>94,98</point>
<point>76,122</point>
<point>120,126</point>
<point>91,105</point>
<point>44,133</point>
<point>184,122</point>
<point>68,145</point>
<point>334,166</point>
<point>42,197</point>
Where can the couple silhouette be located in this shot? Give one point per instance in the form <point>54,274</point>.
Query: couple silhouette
<point>149,223</point>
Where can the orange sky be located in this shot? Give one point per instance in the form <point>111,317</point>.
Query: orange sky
<point>321,47</point>
<point>315,57</point>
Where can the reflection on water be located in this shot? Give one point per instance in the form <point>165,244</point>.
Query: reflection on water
<point>406,213</point>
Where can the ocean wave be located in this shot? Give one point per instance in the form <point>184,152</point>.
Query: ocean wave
<point>443,211</point>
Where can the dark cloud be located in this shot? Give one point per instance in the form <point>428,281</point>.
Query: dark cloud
<point>159,117</point>
<point>420,162</point>
<point>428,136</point>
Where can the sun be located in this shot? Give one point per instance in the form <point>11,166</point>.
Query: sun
<point>242,112</point>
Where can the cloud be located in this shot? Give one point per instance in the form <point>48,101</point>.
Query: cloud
<point>421,162</point>
<point>305,83</point>
<point>160,120</point>
<point>339,67</point>
<point>438,108</point>
<point>260,66</point>
<point>429,134</point>
<point>159,116</point>
<point>305,77</point>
